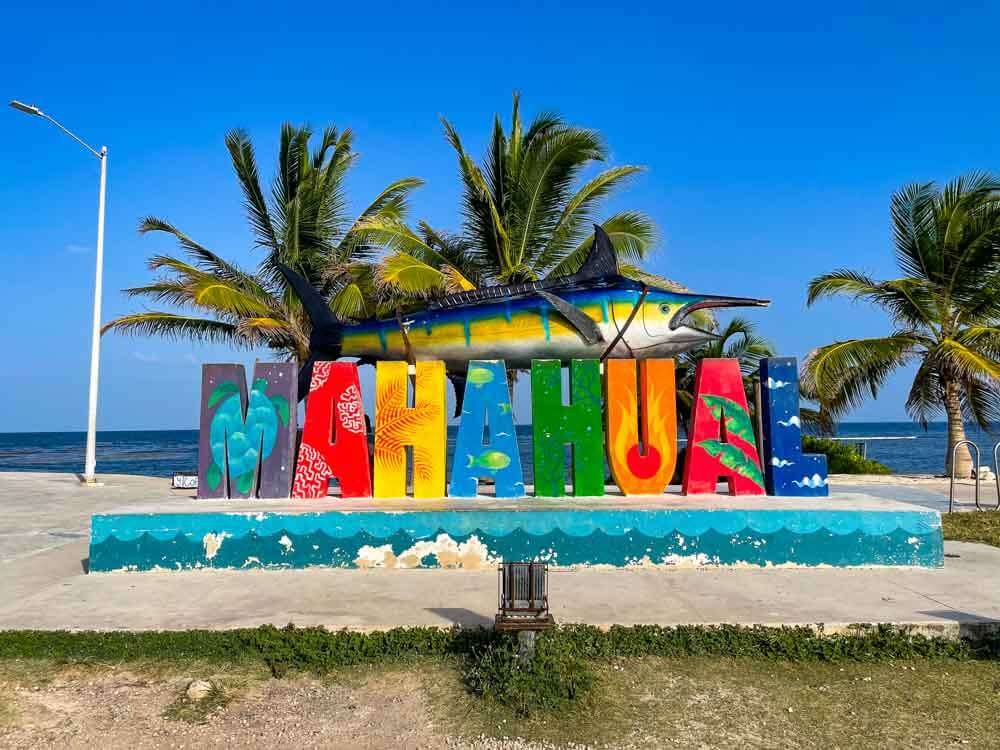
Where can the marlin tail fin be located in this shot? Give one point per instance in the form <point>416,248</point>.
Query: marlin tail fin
<point>325,339</point>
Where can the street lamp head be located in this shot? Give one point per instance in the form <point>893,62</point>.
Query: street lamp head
<point>30,109</point>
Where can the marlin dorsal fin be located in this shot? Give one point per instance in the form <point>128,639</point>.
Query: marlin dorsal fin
<point>601,261</point>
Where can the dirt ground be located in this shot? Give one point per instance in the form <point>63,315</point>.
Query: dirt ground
<point>640,703</point>
<point>121,709</point>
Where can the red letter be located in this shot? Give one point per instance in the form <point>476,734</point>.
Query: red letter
<point>334,401</point>
<point>721,439</point>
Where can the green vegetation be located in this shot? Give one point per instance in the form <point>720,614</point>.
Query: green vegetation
<point>549,682</point>
<point>738,340</point>
<point>842,458</point>
<point>641,686</point>
<point>317,650</point>
<point>945,312</point>
<point>303,224</point>
<point>974,526</point>
<point>526,214</point>
<point>657,702</point>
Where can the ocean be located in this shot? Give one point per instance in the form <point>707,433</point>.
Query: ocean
<point>165,452</point>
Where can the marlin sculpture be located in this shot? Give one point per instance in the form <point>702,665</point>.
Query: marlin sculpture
<point>594,313</point>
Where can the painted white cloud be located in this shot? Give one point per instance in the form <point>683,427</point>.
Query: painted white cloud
<point>772,383</point>
<point>779,462</point>
<point>814,481</point>
<point>793,421</point>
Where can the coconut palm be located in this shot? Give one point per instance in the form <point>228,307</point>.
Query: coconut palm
<point>526,214</point>
<point>945,312</point>
<point>303,223</point>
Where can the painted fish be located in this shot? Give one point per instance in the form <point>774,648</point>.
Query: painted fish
<point>594,313</point>
<point>480,376</point>
<point>492,460</point>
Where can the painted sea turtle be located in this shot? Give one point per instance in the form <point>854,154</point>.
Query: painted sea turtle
<point>246,441</point>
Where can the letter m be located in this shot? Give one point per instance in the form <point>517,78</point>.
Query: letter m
<point>247,442</point>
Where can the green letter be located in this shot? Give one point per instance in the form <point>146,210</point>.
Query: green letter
<point>579,425</point>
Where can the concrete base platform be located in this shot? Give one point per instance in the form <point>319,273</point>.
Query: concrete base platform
<point>44,556</point>
<point>477,534</point>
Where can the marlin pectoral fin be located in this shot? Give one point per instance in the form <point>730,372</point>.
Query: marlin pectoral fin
<point>582,322</point>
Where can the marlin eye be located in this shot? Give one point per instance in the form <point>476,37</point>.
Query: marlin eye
<point>665,309</point>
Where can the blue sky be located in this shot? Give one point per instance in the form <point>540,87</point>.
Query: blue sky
<point>773,136</point>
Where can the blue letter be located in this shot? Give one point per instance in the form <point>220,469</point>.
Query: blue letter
<point>486,407</point>
<point>787,470</point>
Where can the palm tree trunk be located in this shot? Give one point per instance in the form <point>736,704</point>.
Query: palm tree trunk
<point>956,433</point>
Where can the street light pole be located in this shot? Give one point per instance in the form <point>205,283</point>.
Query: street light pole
<point>90,465</point>
<point>90,462</point>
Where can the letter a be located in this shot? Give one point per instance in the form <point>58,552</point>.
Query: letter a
<point>334,438</point>
<point>486,406</point>
<point>644,469</point>
<point>721,440</point>
<point>421,426</point>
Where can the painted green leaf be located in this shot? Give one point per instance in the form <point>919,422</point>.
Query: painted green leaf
<point>245,482</point>
<point>281,406</point>
<point>213,476</point>
<point>733,458</point>
<point>223,389</point>
<point>737,419</point>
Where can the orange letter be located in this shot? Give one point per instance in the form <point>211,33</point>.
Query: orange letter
<point>646,468</point>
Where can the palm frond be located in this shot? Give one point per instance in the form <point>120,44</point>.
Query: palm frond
<point>410,275</point>
<point>576,215</point>
<point>842,374</point>
<point>245,165</point>
<point>909,301</point>
<point>967,362</point>
<point>349,302</point>
<point>169,325</point>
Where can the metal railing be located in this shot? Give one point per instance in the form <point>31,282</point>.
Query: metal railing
<point>977,462</point>
<point>996,472</point>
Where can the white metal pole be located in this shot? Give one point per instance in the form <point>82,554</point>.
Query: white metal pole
<point>90,467</point>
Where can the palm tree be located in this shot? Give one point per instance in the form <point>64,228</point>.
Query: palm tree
<point>526,215</point>
<point>738,340</point>
<point>945,311</point>
<point>303,224</point>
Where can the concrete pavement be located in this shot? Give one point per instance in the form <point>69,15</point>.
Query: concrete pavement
<point>43,550</point>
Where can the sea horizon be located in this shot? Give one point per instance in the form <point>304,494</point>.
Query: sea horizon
<point>910,448</point>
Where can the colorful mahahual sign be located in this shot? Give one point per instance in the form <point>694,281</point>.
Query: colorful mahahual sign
<point>627,413</point>
<point>248,440</point>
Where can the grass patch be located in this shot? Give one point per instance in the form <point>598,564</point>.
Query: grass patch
<point>842,458</point>
<point>972,526</point>
<point>643,686</point>
<point>319,651</point>
<point>656,702</point>
<point>197,711</point>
